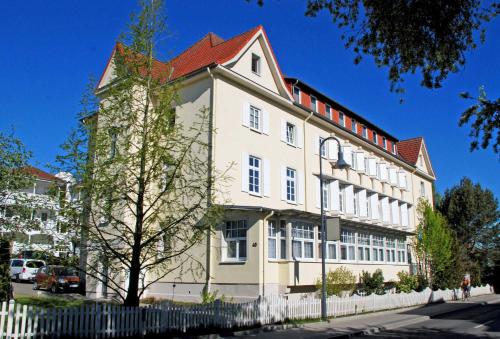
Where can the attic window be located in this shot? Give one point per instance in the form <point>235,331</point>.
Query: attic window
<point>256,64</point>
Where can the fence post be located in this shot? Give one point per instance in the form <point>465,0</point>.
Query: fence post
<point>10,319</point>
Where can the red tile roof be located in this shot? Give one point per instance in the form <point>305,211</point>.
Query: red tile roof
<point>409,149</point>
<point>38,173</point>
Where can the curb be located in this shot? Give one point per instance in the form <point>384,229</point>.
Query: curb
<point>356,333</point>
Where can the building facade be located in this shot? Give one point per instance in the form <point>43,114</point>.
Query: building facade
<point>44,233</point>
<point>267,133</point>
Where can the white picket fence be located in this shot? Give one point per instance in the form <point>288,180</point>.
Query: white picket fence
<point>114,321</point>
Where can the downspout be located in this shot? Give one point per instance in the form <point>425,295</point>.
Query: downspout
<point>305,158</point>
<point>211,150</point>
<point>263,251</point>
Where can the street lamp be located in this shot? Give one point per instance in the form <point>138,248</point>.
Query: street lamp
<point>340,164</point>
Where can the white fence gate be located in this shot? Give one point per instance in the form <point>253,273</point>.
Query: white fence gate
<point>112,321</point>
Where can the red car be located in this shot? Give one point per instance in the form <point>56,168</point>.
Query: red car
<point>56,279</point>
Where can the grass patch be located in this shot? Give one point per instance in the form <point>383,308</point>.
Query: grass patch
<point>49,301</point>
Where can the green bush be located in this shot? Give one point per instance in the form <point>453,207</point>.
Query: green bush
<point>407,282</point>
<point>372,283</point>
<point>342,279</point>
<point>422,284</point>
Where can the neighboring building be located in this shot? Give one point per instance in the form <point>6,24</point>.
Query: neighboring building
<point>270,126</point>
<point>43,199</point>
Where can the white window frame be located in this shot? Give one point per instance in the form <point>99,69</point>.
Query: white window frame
<point>348,241</point>
<point>364,132</point>
<point>393,147</point>
<point>291,185</point>
<point>257,58</point>
<point>295,88</point>
<point>364,246</point>
<point>384,142</point>
<point>254,176</point>
<point>328,111</point>
<point>356,202</point>
<point>354,126</point>
<point>401,251</point>
<point>329,244</point>
<point>422,189</point>
<point>378,247</point>
<point>315,108</point>
<point>341,119</point>
<point>324,148</point>
<point>302,234</point>
<point>272,237</point>
<point>375,138</point>
<point>256,123</point>
<point>341,198</point>
<point>240,226</point>
<point>283,244</point>
<point>291,134</point>
<point>390,250</point>
<point>326,195</point>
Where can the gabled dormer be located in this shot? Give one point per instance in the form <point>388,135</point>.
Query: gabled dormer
<point>415,152</point>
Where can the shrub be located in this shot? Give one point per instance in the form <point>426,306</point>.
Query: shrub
<point>372,283</point>
<point>407,282</point>
<point>422,284</point>
<point>340,280</point>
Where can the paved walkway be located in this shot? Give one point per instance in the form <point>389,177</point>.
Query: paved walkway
<point>343,327</point>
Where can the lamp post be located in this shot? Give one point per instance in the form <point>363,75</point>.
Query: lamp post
<point>341,164</point>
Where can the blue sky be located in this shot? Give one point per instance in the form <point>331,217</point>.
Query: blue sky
<point>50,48</point>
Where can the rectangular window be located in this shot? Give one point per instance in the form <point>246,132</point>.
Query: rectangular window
<point>314,104</point>
<point>331,250</point>
<point>354,126</point>
<point>291,184</point>
<point>296,94</point>
<point>365,132</point>
<point>347,245</point>
<point>384,142</point>
<point>255,114</point>
<point>375,137</point>
<point>390,250</point>
<point>401,251</point>
<point>256,64</point>
<point>363,247</point>
<point>326,194</point>
<point>323,150</point>
<point>290,133</point>
<point>341,119</point>
<point>393,147</point>
<point>236,239</point>
<point>341,199</point>
<point>254,174</point>
<point>356,203</point>
<point>422,189</point>
<point>302,240</point>
<point>328,111</point>
<point>272,233</point>
<point>282,237</point>
<point>378,248</point>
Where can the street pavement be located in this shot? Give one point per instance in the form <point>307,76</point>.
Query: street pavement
<point>26,289</point>
<point>450,320</point>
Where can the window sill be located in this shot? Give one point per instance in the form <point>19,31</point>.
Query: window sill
<point>256,73</point>
<point>291,202</point>
<point>258,195</point>
<point>290,144</point>
<point>233,262</point>
<point>256,130</point>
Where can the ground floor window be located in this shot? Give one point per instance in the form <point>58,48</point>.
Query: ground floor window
<point>378,248</point>
<point>235,236</point>
<point>390,252</point>
<point>347,245</point>
<point>401,246</point>
<point>363,246</point>
<point>282,237</point>
<point>276,239</point>
<point>302,240</point>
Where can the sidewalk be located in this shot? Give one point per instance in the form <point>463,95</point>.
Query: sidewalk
<point>369,323</point>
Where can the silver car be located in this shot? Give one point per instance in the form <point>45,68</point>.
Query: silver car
<point>25,269</point>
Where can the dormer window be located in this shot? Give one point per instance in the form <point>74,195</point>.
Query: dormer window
<point>328,111</point>
<point>341,119</point>
<point>256,64</point>
<point>375,137</point>
<point>393,148</point>
<point>384,143</point>
<point>421,160</point>
<point>314,104</point>
<point>296,94</point>
<point>354,126</point>
<point>365,132</point>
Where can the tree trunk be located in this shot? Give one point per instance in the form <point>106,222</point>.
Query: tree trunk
<point>132,298</point>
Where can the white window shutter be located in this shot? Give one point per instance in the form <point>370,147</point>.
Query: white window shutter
<point>404,215</point>
<point>347,154</point>
<point>349,199</point>
<point>402,179</point>
<point>223,243</point>
<point>360,161</point>
<point>283,130</point>
<point>318,193</point>
<point>383,171</point>
<point>393,177</point>
<point>283,182</point>
<point>267,178</point>
<point>316,144</point>
<point>395,212</point>
<point>374,206</point>
<point>372,164</point>
<point>333,150</point>
<point>300,137</point>
<point>334,195</point>
<point>246,115</point>
<point>301,187</point>
<point>244,172</point>
<point>265,122</point>
<point>363,212</point>
<point>386,213</point>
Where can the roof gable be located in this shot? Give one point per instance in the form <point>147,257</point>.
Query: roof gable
<point>38,173</point>
<point>411,150</point>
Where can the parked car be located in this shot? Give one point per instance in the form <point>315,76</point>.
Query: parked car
<point>56,279</point>
<point>25,269</point>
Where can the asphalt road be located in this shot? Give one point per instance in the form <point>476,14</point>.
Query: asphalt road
<point>479,322</point>
<point>26,289</point>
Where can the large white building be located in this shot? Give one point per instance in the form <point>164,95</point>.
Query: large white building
<point>43,232</point>
<point>269,126</point>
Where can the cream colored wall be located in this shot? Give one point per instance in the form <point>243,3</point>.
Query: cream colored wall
<point>243,66</point>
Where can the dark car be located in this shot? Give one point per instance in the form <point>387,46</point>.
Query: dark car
<point>56,279</point>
